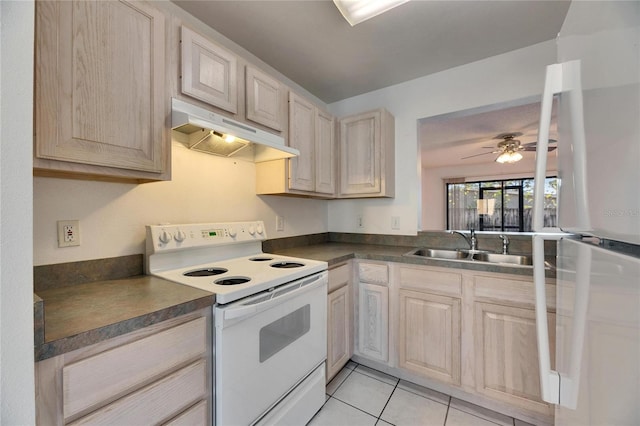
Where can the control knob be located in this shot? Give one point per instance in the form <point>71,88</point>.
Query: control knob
<point>232,232</point>
<point>259,228</point>
<point>180,236</point>
<point>165,237</point>
<point>252,230</point>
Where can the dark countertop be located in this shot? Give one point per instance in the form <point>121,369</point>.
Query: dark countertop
<point>69,317</point>
<point>335,252</point>
<point>83,314</point>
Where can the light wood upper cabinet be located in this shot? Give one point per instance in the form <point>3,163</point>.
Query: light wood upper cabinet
<point>325,161</point>
<point>313,172</point>
<point>263,98</point>
<point>367,157</point>
<point>429,335</point>
<point>100,98</point>
<point>209,72</point>
<point>302,136</point>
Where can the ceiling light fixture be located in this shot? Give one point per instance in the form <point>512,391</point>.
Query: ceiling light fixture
<point>509,157</point>
<point>356,11</point>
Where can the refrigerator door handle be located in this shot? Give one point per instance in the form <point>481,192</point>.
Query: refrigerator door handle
<point>552,86</point>
<point>549,379</point>
<point>562,78</point>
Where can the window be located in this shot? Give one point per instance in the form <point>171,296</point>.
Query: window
<point>498,205</point>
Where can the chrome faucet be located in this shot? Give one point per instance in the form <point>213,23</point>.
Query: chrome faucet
<point>505,244</point>
<point>471,239</point>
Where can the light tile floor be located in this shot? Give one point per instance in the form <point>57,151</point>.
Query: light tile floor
<point>359,395</point>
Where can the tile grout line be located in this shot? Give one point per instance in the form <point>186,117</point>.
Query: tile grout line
<point>387,403</point>
<point>373,377</point>
<point>353,406</point>
<point>448,404</point>
<point>447,413</point>
<point>426,397</point>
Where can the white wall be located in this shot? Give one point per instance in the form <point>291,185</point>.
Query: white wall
<point>507,77</point>
<point>433,190</point>
<point>204,188</point>
<point>17,395</point>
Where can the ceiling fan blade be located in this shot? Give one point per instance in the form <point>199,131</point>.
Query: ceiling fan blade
<point>533,148</point>
<point>551,141</point>
<point>477,155</point>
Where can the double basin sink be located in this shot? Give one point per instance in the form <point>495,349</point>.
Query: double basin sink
<point>471,255</point>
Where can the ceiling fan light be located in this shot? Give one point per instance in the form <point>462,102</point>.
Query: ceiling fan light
<point>509,157</point>
<point>356,11</point>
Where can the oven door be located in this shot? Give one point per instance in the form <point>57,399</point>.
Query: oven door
<point>265,345</point>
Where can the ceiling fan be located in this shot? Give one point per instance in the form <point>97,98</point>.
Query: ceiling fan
<point>509,148</point>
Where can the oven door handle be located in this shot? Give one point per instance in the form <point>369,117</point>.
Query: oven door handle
<point>240,311</point>
<point>278,295</point>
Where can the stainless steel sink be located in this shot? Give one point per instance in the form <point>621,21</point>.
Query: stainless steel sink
<point>468,255</point>
<point>439,253</point>
<point>512,259</point>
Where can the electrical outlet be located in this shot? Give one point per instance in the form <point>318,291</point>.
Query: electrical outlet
<point>359,221</point>
<point>279,223</point>
<point>395,222</point>
<point>68,233</point>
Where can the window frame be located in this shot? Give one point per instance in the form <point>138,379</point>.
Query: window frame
<point>502,188</point>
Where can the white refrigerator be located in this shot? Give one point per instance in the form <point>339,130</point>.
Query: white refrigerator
<point>594,377</point>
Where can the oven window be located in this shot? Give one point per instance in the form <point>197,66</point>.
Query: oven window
<point>284,331</point>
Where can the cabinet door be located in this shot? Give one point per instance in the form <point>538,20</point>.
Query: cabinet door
<point>209,72</point>
<point>430,335</point>
<point>373,321</point>
<point>507,355</point>
<point>301,136</point>
<point>263,98</point>
<point>325,153</point>
<point>360,154</point>
<point>338,330</point>
<point>100,85</point>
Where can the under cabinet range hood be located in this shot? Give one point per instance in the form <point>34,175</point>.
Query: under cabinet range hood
<point>205,131</point>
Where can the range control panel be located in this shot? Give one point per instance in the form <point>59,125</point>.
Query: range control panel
<point>171,237</point>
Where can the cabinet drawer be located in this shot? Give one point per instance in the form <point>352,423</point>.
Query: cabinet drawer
<point>433,281</point>
<point>338,277</point>
<point>197,415</point>
<point>518,290</point>
<point>113,373</point>
<point>373,273</point>
<point>156,402</point>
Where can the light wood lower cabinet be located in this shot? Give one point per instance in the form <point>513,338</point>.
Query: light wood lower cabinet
<point>429,335</point>
<point>468,333</point>
<point>339,320</point>
<point>151,376</point>
<point>339,346</point>
<point>372,333</point>
<point>373,321</point>
<point>507,355</point>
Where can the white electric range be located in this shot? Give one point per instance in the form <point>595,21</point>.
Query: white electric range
<point>269,318</point>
